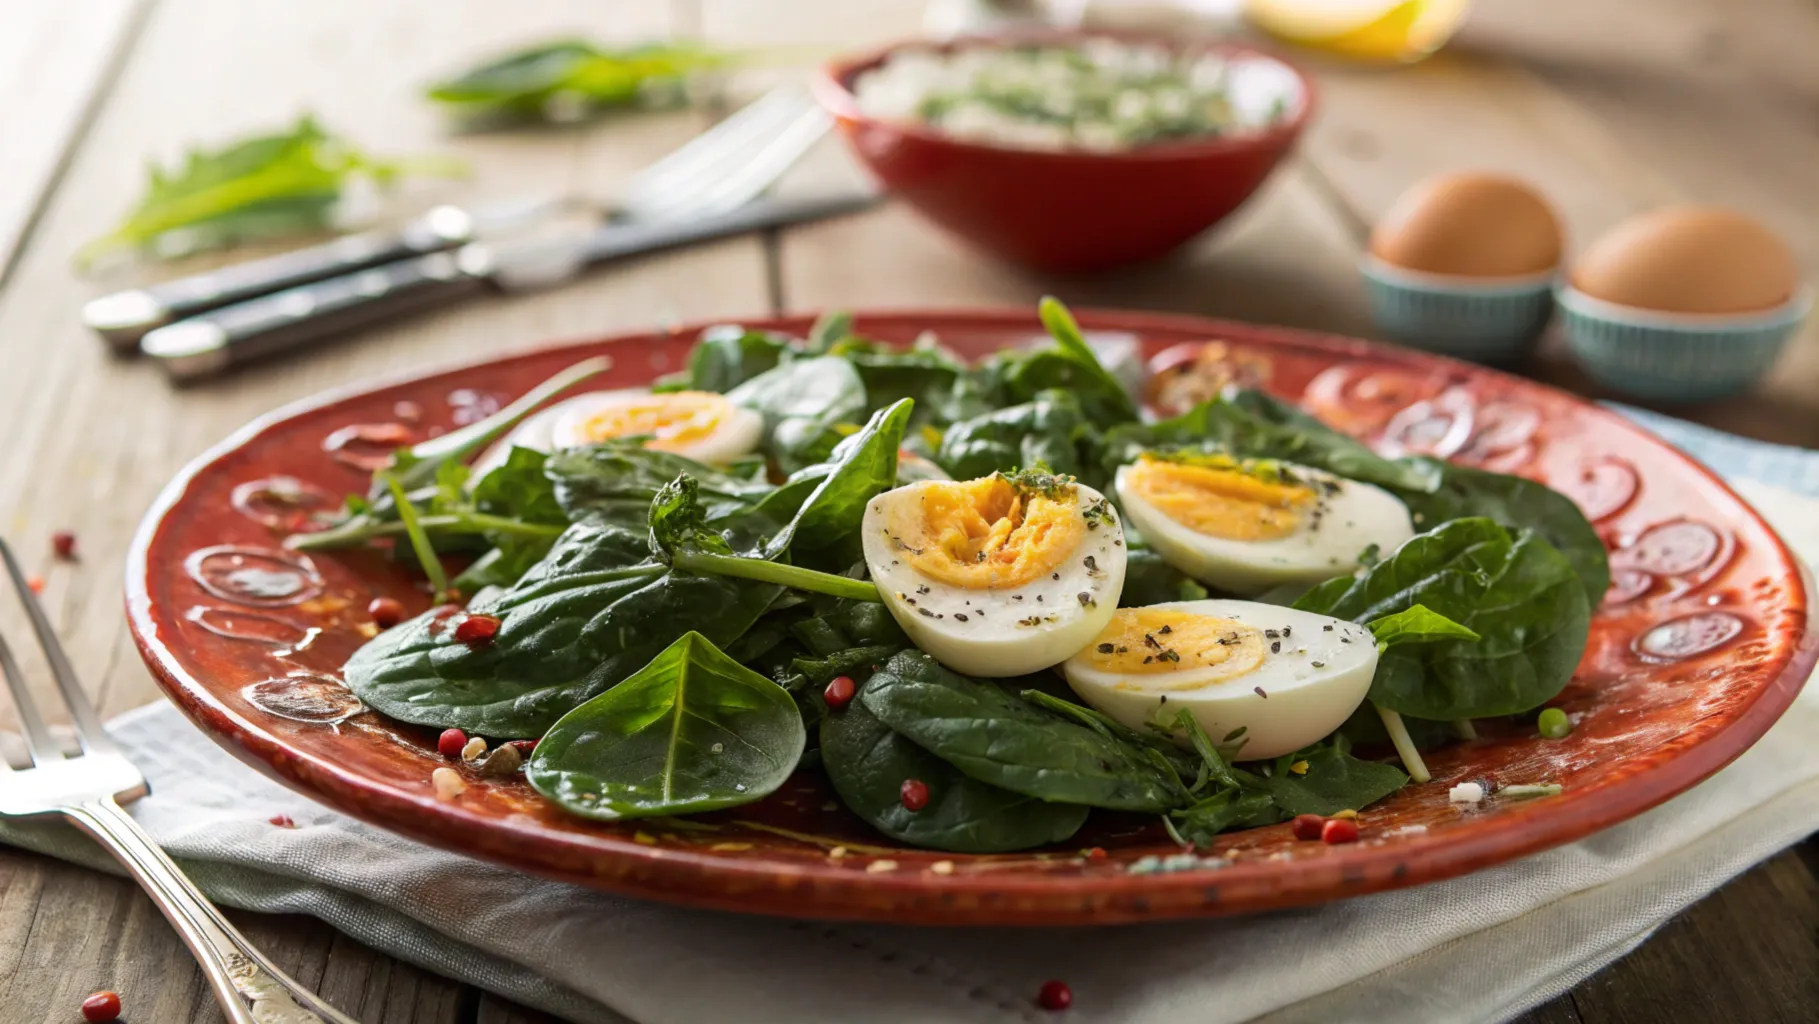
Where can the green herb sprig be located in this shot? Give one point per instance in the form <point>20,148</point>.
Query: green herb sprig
<point>283,183</point>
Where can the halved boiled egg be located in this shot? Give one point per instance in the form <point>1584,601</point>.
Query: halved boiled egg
<point>1245,527</point>
<point>701,425</point>
<point>998,576</point>
<point>1287,678</point>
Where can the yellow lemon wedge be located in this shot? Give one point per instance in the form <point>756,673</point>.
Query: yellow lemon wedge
<point>1369,30</point>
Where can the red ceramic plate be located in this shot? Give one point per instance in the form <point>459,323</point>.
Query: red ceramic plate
<point>1700,645</point>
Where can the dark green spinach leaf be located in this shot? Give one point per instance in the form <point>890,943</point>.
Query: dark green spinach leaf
<point>617,480</point>
<point>1515,590</point>
<point>594,611</point>
<point>727,356</point>
<point>868,764</point>
<point>1018,376</point>
<point>691,731</point>
<point>998,738</point>
<point>803,402</point>
<point>1049,430</point>
<point>1520,504</point>
<point>1334,781</point>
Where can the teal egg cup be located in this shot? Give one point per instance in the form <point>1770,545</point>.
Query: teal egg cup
<point>1490,320</point>
<point>1676,357</point>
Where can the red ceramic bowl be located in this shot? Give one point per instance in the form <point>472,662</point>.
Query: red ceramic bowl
<point>1073,211</point>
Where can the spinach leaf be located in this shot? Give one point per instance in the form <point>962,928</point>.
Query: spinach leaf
<point>998,738</point>
<point>727,356</point>
<point>1205,818</point>
<point>1416,625</point>
<point>802,402</point>
<point>828,330</point>
<point>1049,430</point>
<point>860,468</point>
<point>1067,365</point>
<point>617,480</point>
<point>1250,424</point>
<point>1335,781</point>
<point>1520,504</point>
<point>868,763</point>
<point>1515,590</point>
<point>691,731</point>
<point>587,616</point>
<point>1149,579</point>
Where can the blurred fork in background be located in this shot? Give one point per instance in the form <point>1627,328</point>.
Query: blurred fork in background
<point>87,790</point>
<point>715,172</point>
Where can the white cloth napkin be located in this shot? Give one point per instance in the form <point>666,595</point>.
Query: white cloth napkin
<point>1544,923</point>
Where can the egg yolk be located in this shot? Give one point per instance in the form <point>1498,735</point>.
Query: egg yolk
<point>672,421</point>
<point>985,534</point>
<point>1218,501</point>
<point>1166,641</point>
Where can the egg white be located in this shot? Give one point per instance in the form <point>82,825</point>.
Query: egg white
<point>1006,631</point>
<point>1294,697</point>
<point>564,425</point>
<point>736,432</point>
<point>1354,516</point>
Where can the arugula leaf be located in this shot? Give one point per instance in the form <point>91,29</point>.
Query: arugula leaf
<point>268,185</point>
<point>1250,424</point>
<point>1520,504</point>
<point>691,731</point>
<point>590,614</point>
<point>1514,589</point>
<point>802,402</point>
<point>1334,781</point>
<point>868,763</point>
<point>1416,624</point>
<point>1000,739</point>
<point>570,79</point>
<point>1050,430</point>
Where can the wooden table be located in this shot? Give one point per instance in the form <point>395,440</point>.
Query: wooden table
<point>1611,107</point>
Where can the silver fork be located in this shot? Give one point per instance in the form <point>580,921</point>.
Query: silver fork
<point>728,165</point>
<point>88,789</point>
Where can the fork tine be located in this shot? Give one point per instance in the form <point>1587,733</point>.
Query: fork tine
<point>722,148</point>
<point>719,143</point>
<point>758,171</point>
<point>37,738</point>
<point>88,725</point>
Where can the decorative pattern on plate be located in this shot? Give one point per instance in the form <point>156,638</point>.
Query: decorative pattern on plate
<point>1683,673</point>
<point>284,504</point>
<point>285,638</point>
<point>367,446</point>
<point>311,697</point>
<point>253,576</point>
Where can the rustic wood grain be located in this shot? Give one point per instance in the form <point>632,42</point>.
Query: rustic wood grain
<point>56,61</point>
<point>1748,952</point>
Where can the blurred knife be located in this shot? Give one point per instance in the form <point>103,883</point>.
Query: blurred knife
<point>216,340</point>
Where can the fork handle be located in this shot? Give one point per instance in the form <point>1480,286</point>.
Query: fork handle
<point>242,978</point>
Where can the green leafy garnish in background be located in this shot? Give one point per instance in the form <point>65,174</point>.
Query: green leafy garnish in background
<point>571,80</point>
<point>261,187</point>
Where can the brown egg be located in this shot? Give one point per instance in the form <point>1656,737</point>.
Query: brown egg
<point>1469,225</point>
<point>1689,259</point>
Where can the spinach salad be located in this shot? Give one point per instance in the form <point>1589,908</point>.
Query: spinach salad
<point>983,599</point>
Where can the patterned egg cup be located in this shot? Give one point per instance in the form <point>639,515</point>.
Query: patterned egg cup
<point>1676,357</point>
<point>1487,320</point>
